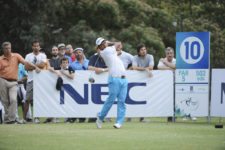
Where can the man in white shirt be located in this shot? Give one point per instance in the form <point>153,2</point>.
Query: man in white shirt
<point>169,62</point>
<point>40,60</point>
<point>117,82</point>
<point>126,58</point>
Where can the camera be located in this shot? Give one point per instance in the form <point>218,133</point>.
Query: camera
<point>70,69</point>
<point>91,80</point>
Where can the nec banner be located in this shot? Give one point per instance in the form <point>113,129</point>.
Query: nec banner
<point>147,97</point>
<point>218,93</point>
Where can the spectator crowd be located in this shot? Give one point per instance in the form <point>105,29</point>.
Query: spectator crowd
<point>16,74</point>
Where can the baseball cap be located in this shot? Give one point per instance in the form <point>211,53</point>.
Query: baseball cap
<point>99,41</point>
<point>78,48</point>
<point>61,45</point>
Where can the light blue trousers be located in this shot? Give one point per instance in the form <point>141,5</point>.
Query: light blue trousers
<point>117,90</point>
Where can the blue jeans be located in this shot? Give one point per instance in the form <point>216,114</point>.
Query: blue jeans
<point>117,89</point>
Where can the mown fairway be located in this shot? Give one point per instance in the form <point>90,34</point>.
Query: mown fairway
<point>134,135</point>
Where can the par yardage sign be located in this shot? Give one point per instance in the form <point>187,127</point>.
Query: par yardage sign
<point>192,74</point>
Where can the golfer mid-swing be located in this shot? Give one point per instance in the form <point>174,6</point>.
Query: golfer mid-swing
<point>117,82</point>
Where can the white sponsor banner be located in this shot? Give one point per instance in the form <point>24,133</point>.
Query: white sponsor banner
<point>218,93</point>
<point>192,92</point>
<point>191,99</point>
<point>147,97</point>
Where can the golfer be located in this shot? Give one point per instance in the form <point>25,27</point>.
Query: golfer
<point>117,82</point>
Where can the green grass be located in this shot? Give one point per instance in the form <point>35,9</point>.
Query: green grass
<point>132,136</point>
<point>157,134</point>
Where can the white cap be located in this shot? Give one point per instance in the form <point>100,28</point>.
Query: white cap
<point>99,41</point>
<point>61,45</point>
<point>78,48</point>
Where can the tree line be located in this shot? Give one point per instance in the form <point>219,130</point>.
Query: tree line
<point>80,22</point>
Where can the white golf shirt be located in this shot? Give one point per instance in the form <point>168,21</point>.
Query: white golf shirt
<point>34,59</point>
<point>114,63</point>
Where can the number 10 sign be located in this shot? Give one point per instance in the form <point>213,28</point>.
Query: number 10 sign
<point>192,73</point>
<point>192,50</point>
